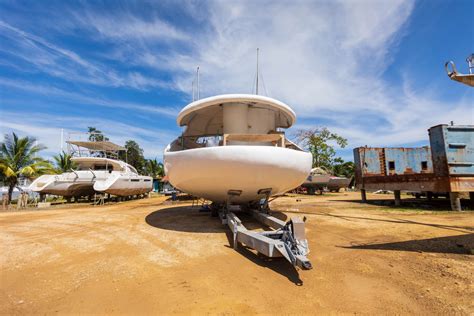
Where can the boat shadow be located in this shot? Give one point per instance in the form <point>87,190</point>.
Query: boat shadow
<point>184,218</point>
<point>190,219</point>
<point>459,244</point>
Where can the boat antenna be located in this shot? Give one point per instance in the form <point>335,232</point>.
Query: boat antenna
<point>470,63</point>
<point>256,90</point>
<point>197,74</point>
<point>193,89</point>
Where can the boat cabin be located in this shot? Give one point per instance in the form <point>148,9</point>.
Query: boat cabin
<point>100,164</point>
<point>233,119</point>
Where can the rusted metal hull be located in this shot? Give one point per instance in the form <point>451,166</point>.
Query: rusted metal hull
<point>447,166</point>
<point>420,183</point>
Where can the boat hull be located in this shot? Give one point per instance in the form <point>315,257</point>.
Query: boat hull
<point>124,185</point>
<point>212,171</point>
<point>63,186</point>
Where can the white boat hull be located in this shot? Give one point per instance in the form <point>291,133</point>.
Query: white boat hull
<point>64,185</point>
<point>124,185</point>
<point>211,172</point>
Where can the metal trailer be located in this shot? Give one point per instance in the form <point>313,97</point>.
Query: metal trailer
<point>447,166</point>
<point>286,239</point>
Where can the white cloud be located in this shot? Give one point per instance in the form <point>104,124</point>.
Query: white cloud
<point>68,65</point>
<point>325,59</point>
<point>125,26</point>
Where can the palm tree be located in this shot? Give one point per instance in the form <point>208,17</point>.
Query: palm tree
<point>18,158</point>
<point>95,135</point>
<point>63,162</point>
<point>154,169</point>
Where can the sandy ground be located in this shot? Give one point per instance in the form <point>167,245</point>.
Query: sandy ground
<point>146,256</point>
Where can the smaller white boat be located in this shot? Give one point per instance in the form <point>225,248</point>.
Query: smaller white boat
<point>123,180</point>
<point>95,174</point>
<point>75,183</point>
<point>320,179</point>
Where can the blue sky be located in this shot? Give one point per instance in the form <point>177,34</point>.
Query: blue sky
<point>372,71</point>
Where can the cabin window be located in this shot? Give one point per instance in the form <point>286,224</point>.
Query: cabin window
<point>424,165</point>
<point>134,180</point>
<point>103,167</point>
<point>391,165</point>
<point>147,180</point>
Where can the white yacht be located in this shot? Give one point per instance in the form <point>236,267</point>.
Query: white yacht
<point>234,148</point>
<point>123,180</point>
<point>94,174</point>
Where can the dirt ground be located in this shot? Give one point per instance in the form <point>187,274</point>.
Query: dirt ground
<point>146,256</point>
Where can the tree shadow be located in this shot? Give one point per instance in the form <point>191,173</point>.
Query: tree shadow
<point>460,244</point>
<point>439,204</point>
<point>351,218</point>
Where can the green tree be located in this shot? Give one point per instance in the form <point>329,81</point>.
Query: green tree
<point>95,135</point>
<point>320,142</point>
<point>343,168</point>
<point>63,162</point>
<point>18,158</point>
<point>133,155</point>
<point>154,169</point>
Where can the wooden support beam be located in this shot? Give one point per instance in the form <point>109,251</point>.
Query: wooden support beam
<point>455,201</point>
<point>398,200</point>
<point>363,195</point>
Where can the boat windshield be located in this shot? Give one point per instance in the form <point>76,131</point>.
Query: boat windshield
<point>94,166</point>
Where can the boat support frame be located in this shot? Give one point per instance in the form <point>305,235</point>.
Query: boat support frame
<point>286,239</point>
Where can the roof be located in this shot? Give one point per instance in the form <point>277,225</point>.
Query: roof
<point>207,118</point>
<point>93,160</point>
<point>99,159</point>
<point>99,146</point>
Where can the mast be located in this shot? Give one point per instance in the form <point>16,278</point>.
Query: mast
<point>197,74</point>
<point>193,90</point>
<point>256,90</point>
<point>62,140</point>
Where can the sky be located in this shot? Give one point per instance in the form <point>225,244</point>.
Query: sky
<point>371,71</point>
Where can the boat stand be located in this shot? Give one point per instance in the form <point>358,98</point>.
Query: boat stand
<point>287,239</point>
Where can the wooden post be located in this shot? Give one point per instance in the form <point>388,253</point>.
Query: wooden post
<point>398,199</point>
<point>429,196</point>
<point>363,195</point>
<point>455,201</point>
<point>471,199</point>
